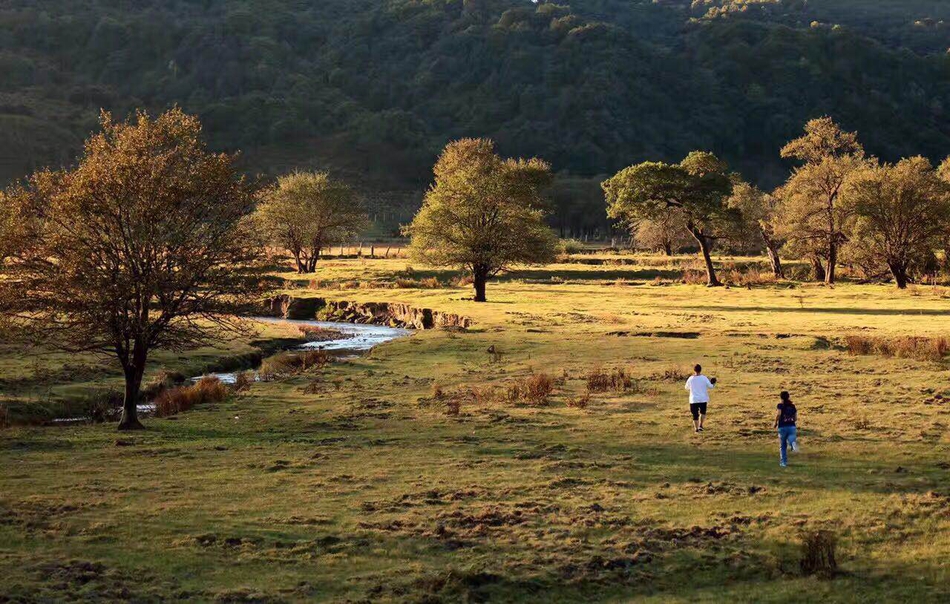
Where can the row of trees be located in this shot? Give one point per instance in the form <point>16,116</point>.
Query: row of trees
<point>153,241</point>
<point>838,206</point>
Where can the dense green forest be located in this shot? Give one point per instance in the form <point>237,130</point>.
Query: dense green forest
<point>373,89</point>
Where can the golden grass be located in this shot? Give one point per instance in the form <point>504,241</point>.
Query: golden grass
<point>368,486</point>
<point>173,401</point>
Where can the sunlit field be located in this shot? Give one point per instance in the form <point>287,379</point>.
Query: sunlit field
<point>412,474</point>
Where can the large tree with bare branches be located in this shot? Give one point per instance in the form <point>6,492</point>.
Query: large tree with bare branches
<point>144,245</point>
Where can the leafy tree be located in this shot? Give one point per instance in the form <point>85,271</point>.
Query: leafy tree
<point>483,213</point>
<point>144,245</point>
<point>901,214</point>
<point>307,212</point>
<point>812,212</point>
<point>759,215</point>
<point>694,191</point>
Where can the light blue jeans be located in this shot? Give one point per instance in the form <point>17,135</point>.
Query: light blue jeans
<point>786,436</point>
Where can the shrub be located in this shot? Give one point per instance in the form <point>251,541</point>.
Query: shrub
<point>243,381</point>
<point>290,363</point>
<point>905,347</point>
<point>672,373</point>
<point>533,390</point>
<point>463,281</point>
<point>694,277</point>
<point>208,389</point>
<point>161,381</point>
<point>618,379</point>
<point>579,402</point>
<point>453,406</point>
<point>571,246</point>
<point>748,277</point>
<point>818,553</point>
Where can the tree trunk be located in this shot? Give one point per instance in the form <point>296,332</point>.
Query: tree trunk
<point>899,271</point>
<point>832,262</point>
<point>301,268</point>
<point>777,269</point>
<point>668,248</point>
<point>705,248</point>
<point>312,261</point>
<point>817,268</point>
<point>479,279</point>
<point>133,384</point>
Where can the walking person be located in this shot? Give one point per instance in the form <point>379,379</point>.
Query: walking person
<point>699,386</point>
<point>786,421</point>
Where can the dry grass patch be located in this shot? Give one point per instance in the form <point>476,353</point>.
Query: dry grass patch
<point>291,363</point>
<point>617,380</point>
<point>172,401</point>
<point>905,347</point>
<point>533,390</point>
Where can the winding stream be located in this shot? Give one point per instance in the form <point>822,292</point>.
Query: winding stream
<point>357,339</point>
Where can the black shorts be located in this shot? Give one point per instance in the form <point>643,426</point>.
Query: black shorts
<point>697,408</point>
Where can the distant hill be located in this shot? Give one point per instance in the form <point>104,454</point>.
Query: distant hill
<point>373,89</point>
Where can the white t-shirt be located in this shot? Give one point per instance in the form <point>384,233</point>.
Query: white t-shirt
<point>698,386</point>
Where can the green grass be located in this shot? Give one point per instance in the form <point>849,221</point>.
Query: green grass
<point>367,489</point>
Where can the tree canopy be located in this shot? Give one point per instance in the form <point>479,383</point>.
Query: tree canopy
<point>144,245</point>
<point>307,212</point>
<point>813,217</point>
<point>694,192</point>
<point>901,215</point>
<point>374,90</point>
<point>483,213</point>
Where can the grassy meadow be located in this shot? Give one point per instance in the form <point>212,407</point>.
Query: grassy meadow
<point>408,475</point>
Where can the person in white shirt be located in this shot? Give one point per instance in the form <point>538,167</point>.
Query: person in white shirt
<point>699,386</point>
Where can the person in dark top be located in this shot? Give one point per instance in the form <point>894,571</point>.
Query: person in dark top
<point>786,420</point>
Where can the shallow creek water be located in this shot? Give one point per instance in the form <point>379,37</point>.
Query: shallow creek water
<point>356,339</point>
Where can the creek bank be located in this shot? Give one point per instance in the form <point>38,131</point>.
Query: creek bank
<point>337,339</point>
<point>391,314</point>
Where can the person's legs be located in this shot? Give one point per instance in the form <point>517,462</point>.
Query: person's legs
<point>702,414</point>
<point>694,409</point>
<point>783,446</point>
<point>793,438</point>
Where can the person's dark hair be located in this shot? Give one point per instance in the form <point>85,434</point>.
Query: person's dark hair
<point>785,396</point>
<point>698,368</point>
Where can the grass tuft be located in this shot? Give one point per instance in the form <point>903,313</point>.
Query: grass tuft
<point>290,363</point>
<point>904,347</point>
<point>533,390</point>
<point>172,401</point>
<point>616,379</point>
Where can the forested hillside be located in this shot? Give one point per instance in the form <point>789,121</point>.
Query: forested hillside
<point>374,88</point>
